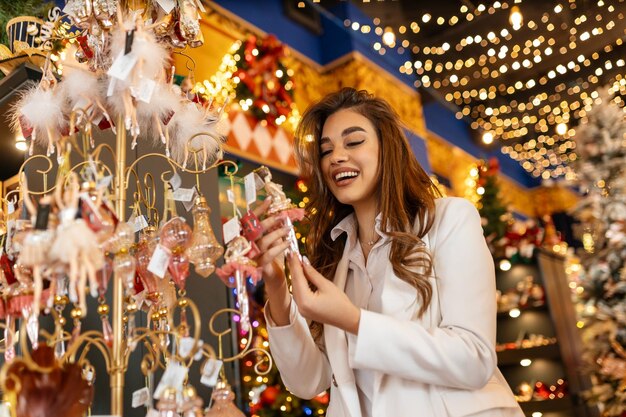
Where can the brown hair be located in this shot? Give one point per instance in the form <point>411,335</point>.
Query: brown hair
<point>409,192</point>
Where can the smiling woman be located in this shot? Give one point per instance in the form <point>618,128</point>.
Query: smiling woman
<point>397,305</point>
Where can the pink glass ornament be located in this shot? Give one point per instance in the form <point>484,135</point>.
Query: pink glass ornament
<point>179,269</point>
<point>175,234</point>
<point>145,249</point>
<point>104,275</point>
<point>107,331</point>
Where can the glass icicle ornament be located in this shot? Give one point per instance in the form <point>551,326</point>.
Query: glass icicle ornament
<point>204,249</point>
<point>223,401</point>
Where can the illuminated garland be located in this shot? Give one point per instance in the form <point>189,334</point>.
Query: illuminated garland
<point>252,75</point>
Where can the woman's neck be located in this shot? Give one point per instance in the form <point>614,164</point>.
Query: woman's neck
<point>366,219</point>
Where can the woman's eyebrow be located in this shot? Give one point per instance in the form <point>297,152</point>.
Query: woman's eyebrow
<point>345,133</point>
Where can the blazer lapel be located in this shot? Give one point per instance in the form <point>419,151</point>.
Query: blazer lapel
<point>337,350</point>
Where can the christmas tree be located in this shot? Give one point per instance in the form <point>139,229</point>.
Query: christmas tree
<point>601,148</point>
<point>491,208</point>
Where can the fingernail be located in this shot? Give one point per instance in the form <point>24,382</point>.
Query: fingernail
<point>306,260</point>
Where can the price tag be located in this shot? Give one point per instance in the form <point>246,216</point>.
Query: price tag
<point>184,194</point>
<point>4,410</point>
<point>187,344</point>
<point>138,223</point>
<point>175,181</point>
<point>258,181</point>
<point>231,229</point>
<point>250,188</point>
<point>141,397</point>
<point>174,376</point>
<point>189,204</point>
<point>167,5</point>
<point>153,413</point>
<point>146,89</point>
<point>230,195</point>
<point>11,208</point>
<point>159,261</point>
<point>210,372</point>
<point>122,66</point>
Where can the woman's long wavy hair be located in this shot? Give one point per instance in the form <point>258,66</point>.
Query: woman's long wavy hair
<point>406,193</point>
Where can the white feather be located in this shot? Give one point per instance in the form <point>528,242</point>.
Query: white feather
<point>42,110</point>
<point>152,55</point>
<point>187,123</point>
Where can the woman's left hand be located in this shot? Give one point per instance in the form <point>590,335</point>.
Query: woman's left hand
<point>327,304</point>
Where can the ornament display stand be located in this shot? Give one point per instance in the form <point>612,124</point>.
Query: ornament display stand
<point>116,356</point>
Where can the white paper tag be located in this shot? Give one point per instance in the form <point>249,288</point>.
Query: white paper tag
<point>141,397</point>
<point>210,372</point>
<point>250,188</point>
<point>104,182</point>
<point>4,410</point>
<point>174,376</point>
<point>138,223</point>
<point>11,207</point>
<point>159,261</point>
<point>183,194</point>
<point>230,195</point>
<point>231,229</point>
<point>175,181</point>
<point>258,181</point>
<point>122,66</point>
<point>153,413</point>
<point>167,5</point>
<point>189,204</point>
<point>188,343</point>
<point>146,89</point>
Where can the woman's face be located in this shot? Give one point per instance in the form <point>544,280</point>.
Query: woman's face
<point>349,149</point>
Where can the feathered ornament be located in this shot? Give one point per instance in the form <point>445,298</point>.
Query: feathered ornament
<point>158,113</point>
<point>195,128</point>
<point>76,246</point>
<point>138,63</point>
<point>83,96</point>
<point>38,114</point>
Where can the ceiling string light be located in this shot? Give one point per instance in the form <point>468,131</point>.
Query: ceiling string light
<point>558,98</point>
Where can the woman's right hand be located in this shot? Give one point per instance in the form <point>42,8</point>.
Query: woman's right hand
<point>272,246</point>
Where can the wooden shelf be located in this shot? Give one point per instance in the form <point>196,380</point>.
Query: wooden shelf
<point>559,404</point>
<point>513,356</point>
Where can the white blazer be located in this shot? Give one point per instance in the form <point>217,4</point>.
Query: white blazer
<point>441,364</point>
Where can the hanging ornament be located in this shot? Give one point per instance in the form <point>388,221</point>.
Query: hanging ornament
<point>223,401</point>
<point>124,264</point>
<point>175,235</point>
<point>281,206</point>
<point>75,245</point>
<point>204,249</point>
<point>143,254</point>
<point>237,267</point>
<point>192,403</point>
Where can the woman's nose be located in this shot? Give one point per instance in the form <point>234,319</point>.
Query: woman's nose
<point>338,155</point>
